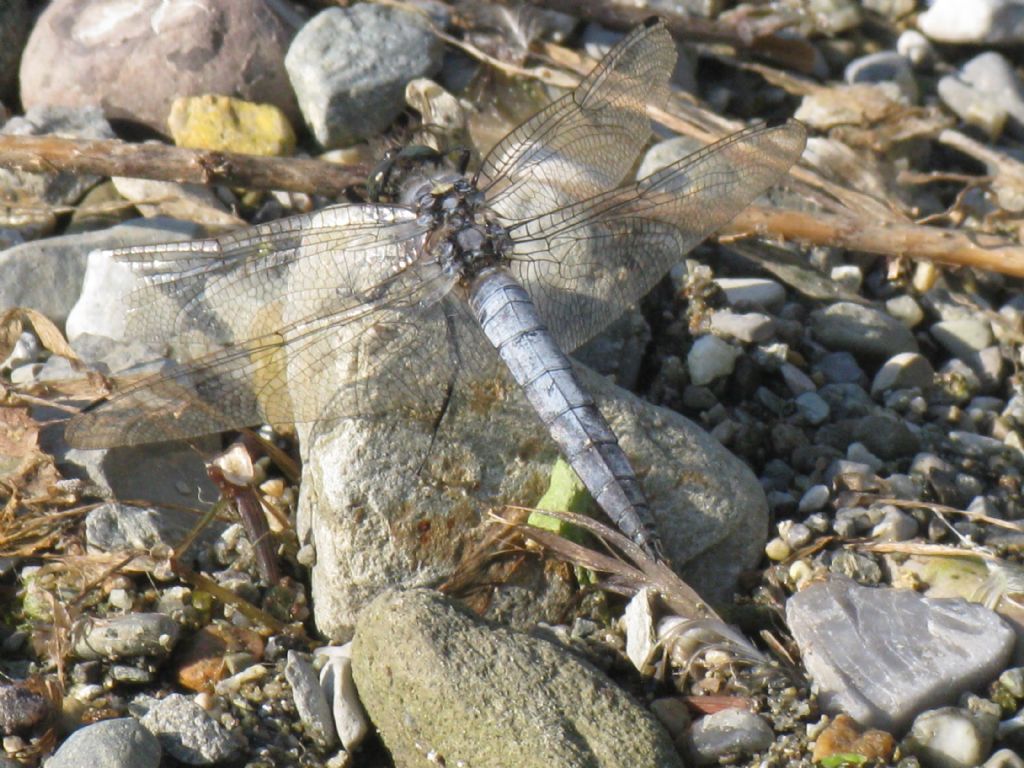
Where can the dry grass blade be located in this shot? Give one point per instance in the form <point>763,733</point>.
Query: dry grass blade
<point>677,595</point>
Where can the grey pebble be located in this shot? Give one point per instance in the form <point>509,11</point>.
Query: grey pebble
<point>732,732</point>
<point>887,436</point>
<point>25,351</point>
<point>710,358</point>
<point>897,525</point>
<point>963,336</point>
<point>128,636</point>
<point>862,331</point>
<point>858,453</point>
<point>188,733</point>
<point>840,368</point>
<point>796,380</point>
<point>905,309</point>
<point>882,655</point>
<point>906,370</point>
<point>986,93</point>
<point>349,68</point>
<point>952,737</point>
<point>750,327</point>
<point>814,498</point>
<point>854,565</point>
<point>972,444</point>
<point>310,701</point>
<point>117,743</point>
<point>755,292</point>
<point>813,408</point>
<point>796,535</point>
<point>1004,758</point>
<point>880,67</point>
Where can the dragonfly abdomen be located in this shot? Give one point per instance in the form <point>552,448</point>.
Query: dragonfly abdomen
<point>512,324</point>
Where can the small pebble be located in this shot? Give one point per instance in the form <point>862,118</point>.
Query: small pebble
<point>895,526</point>
<point>906,370</point>
<point>728,732</point>
<point>711,358</point>
<point>751,327</point>
<point>752,292</point>
<point>950,737</point>
<point>814,498</point>
<point>777,549</point>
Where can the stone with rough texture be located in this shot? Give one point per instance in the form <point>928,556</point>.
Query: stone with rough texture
<point>445,687</point>
<point>118,743</point>
<point>310,701</point>
<point>711,358</point>
<point>360,479</point>
<point>101,52</point>
<point>349,68</point>
<point>863,331</point>
<point>114,527</point>
<point>230,125</point>
<point>951,737</point>
<point>188,733</point>
<point>20,708</point>
<point>884,655</point>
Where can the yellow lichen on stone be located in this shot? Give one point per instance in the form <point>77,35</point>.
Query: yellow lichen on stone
<point>233,125</point>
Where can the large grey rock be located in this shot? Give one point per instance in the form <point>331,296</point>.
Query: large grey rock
<point>134,59</point>
<point>349,68</point>
<point>863,331</point>
<point>119,743</point>
<point>378,519</point>
<point>884,655</point>
<point>114,527</point>
<point>47,275</point>
<point>441,684</point>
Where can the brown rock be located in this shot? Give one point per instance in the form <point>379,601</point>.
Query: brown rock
<point>134,59</point>
<point>843,736</point>
<point>200,657</point>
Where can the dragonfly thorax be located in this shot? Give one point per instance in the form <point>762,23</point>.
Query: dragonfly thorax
<point>464,239</point>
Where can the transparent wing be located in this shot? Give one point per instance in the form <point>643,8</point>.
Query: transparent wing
<point>587,141</point>
<point>585,263</point>
<point>330,341</point>
<point>202,295</point>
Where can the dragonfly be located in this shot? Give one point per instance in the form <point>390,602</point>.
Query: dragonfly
<point>369,310</point>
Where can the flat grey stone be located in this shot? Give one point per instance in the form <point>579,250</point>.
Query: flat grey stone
<point>118,743</point>
<point>310,701</point>
<point>121,637</point>
<point>732,732</point>
<point>752,292</point>
<point>115,527</point>
<point>743,326</point>
<point>47,275</point>
<point>863,331</point>
<point>436,678</point>
<point>359,478</point>
<point>884,655</point>
<point>188,733</point>
<point>349,68</point>
<point>962,337</point>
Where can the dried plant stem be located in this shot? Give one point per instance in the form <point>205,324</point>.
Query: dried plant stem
<point>107,157</point>
<point>946,246</point>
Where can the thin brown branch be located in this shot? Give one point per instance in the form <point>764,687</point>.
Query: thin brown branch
<point>106,157</point>
<point>946,246</point>
<point>757,36</point>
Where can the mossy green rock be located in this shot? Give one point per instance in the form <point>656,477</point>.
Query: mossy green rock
<point>439,682</point>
